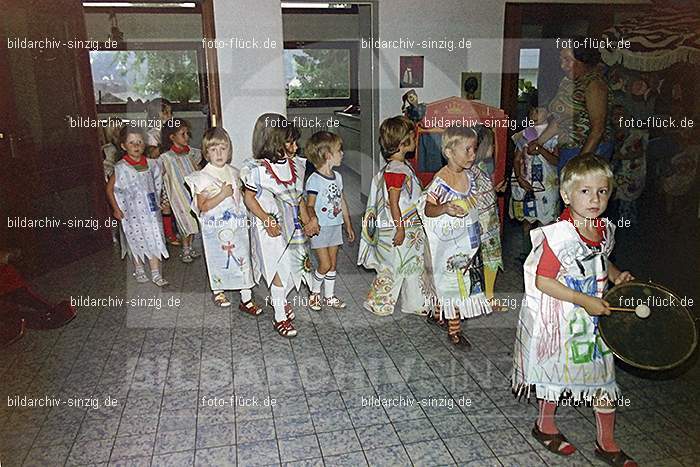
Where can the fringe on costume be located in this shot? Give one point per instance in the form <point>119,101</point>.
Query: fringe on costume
<point>555,392</point>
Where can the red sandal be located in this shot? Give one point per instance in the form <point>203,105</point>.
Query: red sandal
<point>289,311</point>
<point>250,307</point>
<point>284,328</point>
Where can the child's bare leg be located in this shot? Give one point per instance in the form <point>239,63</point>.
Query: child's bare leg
<point>187,242</point>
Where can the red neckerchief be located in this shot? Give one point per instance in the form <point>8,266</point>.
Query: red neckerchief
<point>134,163</point>
<point>292,167</point>
<point>598,223</point>
<point>180,150</point>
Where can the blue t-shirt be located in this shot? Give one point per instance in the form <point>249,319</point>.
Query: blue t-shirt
<point>328,191</point>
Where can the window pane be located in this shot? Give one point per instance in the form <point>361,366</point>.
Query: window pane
<point>145,74</point>
<point>317,73</point>
<point>529,65</point>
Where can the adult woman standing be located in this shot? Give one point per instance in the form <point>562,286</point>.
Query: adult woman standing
<point>582,107</point>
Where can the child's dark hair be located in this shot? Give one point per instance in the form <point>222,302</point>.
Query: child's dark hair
<point>292,134</point>
<point>155,106</point>
<point>269,136</point>
<point>131,130</point>
<point>171,127</point>
<point>486,140</point>
<point>320,144</point>
<point>392,132</point>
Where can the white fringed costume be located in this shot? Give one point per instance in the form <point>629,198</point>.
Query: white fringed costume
<point>399,268</point>
<point>558,350</point>
<point>459,247</point>
<point>137,193</point>
<point>278,189</point>
<point>224,229</point>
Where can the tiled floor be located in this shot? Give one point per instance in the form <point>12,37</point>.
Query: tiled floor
<point>194,385</point>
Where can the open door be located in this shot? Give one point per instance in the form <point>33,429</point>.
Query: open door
<point>52,202</point>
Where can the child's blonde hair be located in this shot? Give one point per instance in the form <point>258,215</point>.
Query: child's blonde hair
<point>392,132</point>
<point>213,137</point>
<point>319,145</point>
<point>454,134</point>
<point>582,165</point>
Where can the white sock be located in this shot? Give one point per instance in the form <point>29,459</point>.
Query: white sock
<point>278,302</point>
<point>329,285</point>
<point>139,269</point>
<point>155,274</point>
<point>246,295</point>
<point>316,281</point>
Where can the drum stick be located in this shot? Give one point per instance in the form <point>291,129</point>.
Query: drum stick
<point>613,308</point>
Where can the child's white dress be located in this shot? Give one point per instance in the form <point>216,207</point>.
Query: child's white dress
<point>399,268</point>
<point>138,196</point>
<point>224,229</point>
<point>278,189</point>
<point>175,168</point>
<point>558,350</point>
<point>459,247</point>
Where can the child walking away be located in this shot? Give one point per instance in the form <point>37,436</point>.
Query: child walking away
<point>326,201</point>
<point>274,188</point>
<point>458,211</point>
<point>178,162</point>
<point>558,350</point>
<point>134,192</point>
<point>224,222</point>
<point>535,191</point>
<point>392,236</point>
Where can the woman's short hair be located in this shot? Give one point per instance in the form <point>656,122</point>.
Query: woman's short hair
<point>583,52</point>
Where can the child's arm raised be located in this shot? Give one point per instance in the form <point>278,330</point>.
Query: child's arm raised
<point>346,219</point>
<point>116,212</point>
<point>593,305</point>
<point>205,204</point>
<point>269,223</point>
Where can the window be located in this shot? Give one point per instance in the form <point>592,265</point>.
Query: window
<point>320,74</point>
<point>529,68</point>
<point>144,71</point>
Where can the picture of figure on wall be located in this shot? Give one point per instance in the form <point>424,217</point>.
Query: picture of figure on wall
<point>411,71</point>
<point>471,85</point>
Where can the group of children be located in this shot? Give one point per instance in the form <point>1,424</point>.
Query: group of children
<point>438,248</point>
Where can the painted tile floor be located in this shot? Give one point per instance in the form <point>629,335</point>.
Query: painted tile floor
<point>194,385</point>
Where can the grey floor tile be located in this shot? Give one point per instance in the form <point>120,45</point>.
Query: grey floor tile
<point>174,441</point>
<point>350,459</point>
<point>132,446</point>
<point>506,442</point>
<point>299,448</point>
<point>338,442</point>
<point>526,459</point>
<point>41,456</point>
<point>413,431</point>
<point>90,452</point>
<point>468,448</point>
<point>366,416</point>
<point>376,436</point>
<point>390,456</point>
<point>258,453</point>
<point>297,425</point>
<point>213,457</point>
<point>249,431</point>
<point>209,436</point>
<point>433,452</point>
<point>175,459</point>
<point>331,421</point>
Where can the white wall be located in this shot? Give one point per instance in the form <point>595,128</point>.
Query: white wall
<point>251,80</point>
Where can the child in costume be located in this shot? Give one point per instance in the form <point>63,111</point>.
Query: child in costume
<point>392,239</point>
<point>133,191</point>
<point>558,350</point>
<point>485,162</point>
<point>178,162</point>
<point>535,195</point>
<point>274,189</point>
<point>459,214</point>
<point>224,222</point>
<point>326,201</point>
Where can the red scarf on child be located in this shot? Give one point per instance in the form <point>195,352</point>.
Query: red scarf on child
<point>180,150</point>
<point>597,222</point>
<point>142,164</point>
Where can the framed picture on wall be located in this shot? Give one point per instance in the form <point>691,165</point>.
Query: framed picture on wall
<point>471,85</point>
<point>411,71</point>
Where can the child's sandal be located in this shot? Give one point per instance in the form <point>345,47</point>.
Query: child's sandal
<point>459,340</point>
<point>555,443</point>
<point>284,328</point>
<point>335,302</point>
<point>315,301</point>
<point>221,300</point>
<point>160,282</point>
<point>616,458</point>
<point>250,307</point>
<point>289,311</point>
<point>141,277</point>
